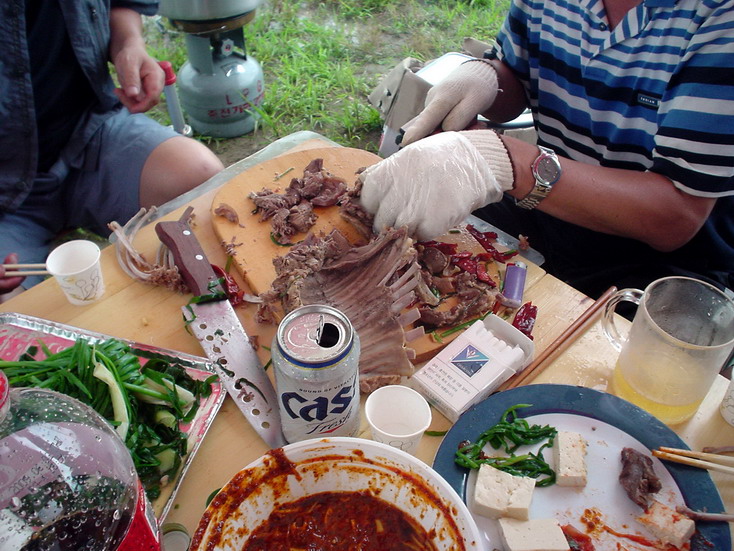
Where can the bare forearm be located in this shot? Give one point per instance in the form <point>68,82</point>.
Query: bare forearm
<point>640,205</point>
<point>511,100</point>
<point>126,31</point>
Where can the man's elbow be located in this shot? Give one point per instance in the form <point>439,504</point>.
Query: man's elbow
<point>668,237</point>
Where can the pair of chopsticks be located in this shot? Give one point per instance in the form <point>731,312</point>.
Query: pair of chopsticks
<point>18,270</point>
<point>704,460</point>
<point>564,340</point>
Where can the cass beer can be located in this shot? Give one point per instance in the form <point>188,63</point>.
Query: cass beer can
<point>315,355</point>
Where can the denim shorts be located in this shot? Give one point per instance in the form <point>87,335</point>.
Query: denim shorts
<point>95,188</point>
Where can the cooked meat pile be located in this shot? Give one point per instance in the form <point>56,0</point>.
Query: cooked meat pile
<point>291,212</point>
<point>381,286</point>
<point>371,284</point>
<point>638,477</point>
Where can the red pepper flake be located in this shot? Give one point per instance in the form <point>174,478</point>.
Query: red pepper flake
<point>525,318</point>
<point>231,288</point>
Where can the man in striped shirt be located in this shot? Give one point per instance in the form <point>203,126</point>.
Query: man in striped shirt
<point>633,103</point>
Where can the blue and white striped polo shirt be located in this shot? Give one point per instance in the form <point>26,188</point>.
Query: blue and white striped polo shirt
<point>655,93</point>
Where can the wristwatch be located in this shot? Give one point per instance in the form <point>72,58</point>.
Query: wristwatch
<point>547,170</point>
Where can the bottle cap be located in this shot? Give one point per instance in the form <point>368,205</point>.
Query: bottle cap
<point>170,73</point>
<point>175,537</point>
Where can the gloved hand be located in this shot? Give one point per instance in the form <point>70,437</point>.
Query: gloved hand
<point>454,102</point>
<point>435,183</point>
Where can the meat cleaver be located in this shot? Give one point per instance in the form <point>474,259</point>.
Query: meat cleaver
<point>215,324</point>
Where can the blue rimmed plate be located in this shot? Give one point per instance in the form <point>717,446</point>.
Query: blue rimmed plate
<point>608,423</point>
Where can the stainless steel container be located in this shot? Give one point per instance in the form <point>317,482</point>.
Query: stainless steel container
<point>205,10</point>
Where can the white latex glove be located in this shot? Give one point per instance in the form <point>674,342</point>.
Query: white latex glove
<point>434,184</point>
<point>453,103</point>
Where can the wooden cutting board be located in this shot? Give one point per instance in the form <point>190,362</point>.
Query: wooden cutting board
<point>250,240</point>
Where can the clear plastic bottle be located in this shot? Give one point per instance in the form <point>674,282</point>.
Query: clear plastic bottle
<point>67,481</point>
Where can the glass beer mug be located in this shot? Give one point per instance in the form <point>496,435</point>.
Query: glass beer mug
<point>680,338</point>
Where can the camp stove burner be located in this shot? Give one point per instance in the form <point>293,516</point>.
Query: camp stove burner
<point>220,86</point>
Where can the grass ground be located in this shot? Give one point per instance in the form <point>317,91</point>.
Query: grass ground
<point>321,59</point>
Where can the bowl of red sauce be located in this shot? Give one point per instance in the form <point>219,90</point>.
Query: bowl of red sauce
<point>337,494</point>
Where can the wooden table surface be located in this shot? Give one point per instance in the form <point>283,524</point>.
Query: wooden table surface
<point>152,315</point>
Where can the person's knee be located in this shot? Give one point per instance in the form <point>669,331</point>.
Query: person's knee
<point>174,167</point>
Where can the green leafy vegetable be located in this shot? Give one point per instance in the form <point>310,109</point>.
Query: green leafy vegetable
<point>146,405</point>
<point>510,434</point>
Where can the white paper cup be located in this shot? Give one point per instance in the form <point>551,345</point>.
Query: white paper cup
<point>727,404</point>
<point>398,416</point>
<point>75,266</point>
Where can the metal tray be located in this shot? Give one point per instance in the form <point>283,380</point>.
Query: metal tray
<point>18,332</point>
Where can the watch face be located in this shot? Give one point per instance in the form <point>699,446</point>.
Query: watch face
<point>547,169</point>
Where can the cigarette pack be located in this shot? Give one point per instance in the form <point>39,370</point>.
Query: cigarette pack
<point>473,366</point>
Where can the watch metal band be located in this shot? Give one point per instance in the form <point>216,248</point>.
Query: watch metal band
<point>542,188</point>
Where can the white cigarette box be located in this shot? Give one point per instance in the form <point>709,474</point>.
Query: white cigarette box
<point>473,366</point>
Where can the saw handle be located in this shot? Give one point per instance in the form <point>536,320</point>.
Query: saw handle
<point>189,257</point>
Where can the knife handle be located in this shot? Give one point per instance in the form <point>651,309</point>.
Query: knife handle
<point>189,257</point>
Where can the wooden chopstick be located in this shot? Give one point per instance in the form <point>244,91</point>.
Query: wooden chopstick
<point>23,273</point>
<point>566,339</point>
<point>23,266</point>
<point>18,270</point>
<point>710,461</point>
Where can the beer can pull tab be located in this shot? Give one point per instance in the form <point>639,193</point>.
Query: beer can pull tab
<point>514,285</point>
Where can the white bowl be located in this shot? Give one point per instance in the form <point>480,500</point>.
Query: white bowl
<point>333,465</point>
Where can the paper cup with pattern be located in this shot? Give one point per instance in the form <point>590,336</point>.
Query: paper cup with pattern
<point>398,416</point>
<point>76,267</point>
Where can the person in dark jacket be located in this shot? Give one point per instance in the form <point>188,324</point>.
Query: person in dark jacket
<point>76,151</point>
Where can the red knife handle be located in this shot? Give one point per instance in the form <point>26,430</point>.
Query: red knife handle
<point>189,257</point>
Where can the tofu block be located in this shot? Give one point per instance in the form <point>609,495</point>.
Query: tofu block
<point>569,453</point>
<point>667,524</point>
<point>498,494</point>
<point>543,534</point>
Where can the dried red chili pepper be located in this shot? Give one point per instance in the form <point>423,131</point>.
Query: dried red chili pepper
<point>485,238</point>
<point>525,318</point>
<point>467,264</point>
<point>483,275</point>
<point>474,265</point>
<point>234,293</point>
<point>505,256</point>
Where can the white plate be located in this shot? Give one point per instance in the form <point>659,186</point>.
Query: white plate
<point>608,424</point>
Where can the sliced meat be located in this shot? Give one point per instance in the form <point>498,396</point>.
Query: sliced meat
<point>227,212</point>
<point>370,284</point>
<point>475,299</point>
<point>434,260</point>
<point>268,202</point>
<point>638,477</point>
<point>301,217</point>
<point>317,187</point>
